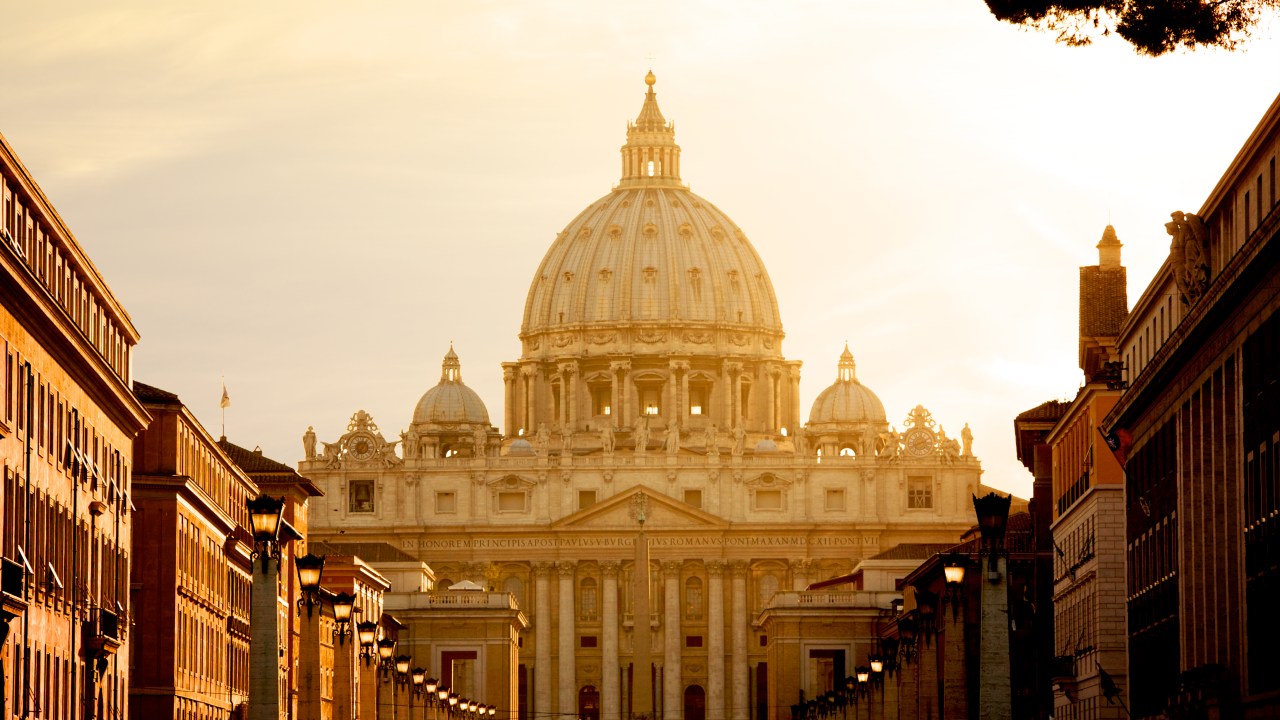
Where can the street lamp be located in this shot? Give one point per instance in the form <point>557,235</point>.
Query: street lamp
<point>310,568</point>
<point>386,649</point>
<point>953,569</point>
<point>264,518</point>
<point>367,633</point>
<point>343,605</point>
<point>993,517</point>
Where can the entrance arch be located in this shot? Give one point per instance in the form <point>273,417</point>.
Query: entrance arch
<point>695,703</point>
<point>589,703</point>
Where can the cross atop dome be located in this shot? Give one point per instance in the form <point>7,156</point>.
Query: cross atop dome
<point>650,157</point>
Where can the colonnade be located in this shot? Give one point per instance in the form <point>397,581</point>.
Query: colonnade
<point>530,400</point>
<point>560,636</point>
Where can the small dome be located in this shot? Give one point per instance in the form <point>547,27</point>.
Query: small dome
<point>847,400</point>
<point>521,448</point>
<point>451,401</point>
<point>766,446</point>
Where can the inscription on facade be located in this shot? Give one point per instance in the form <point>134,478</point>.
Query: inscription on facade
<point>629,541</point>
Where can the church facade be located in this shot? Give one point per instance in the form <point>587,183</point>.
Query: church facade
<point>653,483</point>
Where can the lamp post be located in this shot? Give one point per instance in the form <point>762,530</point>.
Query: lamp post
<point>995,700</point>
<point>265,518</point>
<point>418,676</point>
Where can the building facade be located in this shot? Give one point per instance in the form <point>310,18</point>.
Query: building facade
<point>654,483</point>
<point>1201,436</point>
<point>1088,509</point>
<point>192,582</point>
<point>67,423</point>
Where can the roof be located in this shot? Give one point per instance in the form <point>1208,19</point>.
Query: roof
<point>260,467</point>
<point>372,552</point>
<point>1049,411</point>
<point>151,394</point>
<point>913,551</point>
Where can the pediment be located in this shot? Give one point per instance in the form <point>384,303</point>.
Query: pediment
<point>768,481</point>
<point>663,513</point>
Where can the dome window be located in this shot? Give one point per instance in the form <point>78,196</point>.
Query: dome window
<point>651,168</point>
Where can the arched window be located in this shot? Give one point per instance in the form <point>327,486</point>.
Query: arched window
<point>587,601</point>
<point>768,586</point>
<point>693,598</point>
<point>515,586</point>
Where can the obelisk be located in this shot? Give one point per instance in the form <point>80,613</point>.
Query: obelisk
<point>642,639</point>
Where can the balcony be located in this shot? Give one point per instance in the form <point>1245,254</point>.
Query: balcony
<point>12,587</point>
<point>102,633</point>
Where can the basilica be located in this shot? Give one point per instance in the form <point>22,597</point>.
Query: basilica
<point>652,462</point>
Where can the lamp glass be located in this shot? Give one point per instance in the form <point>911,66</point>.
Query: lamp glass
<point>431,686</point>
<point>954,574</point>
<point>418,675</point>
<point>863,675</point>
<point>367,632</point>
<point>310,568</point>
<point>402,664</point>
<point>877,665</point>
<point>386,648</point>
<point>343,604</point>
<point>264,517</point>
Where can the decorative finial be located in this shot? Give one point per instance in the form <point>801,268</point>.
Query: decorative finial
<point>650,79</point>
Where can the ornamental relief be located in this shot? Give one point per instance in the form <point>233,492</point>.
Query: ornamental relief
<point>768,480</point>
<point>601,338</point>
<point>739,339</point>
<point>699,337</point>
<point>651,336</point>
<point>562,339</point>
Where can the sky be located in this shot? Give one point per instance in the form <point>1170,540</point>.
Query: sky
<point>313,199</point>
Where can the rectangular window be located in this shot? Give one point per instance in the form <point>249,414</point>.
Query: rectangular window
<point>446,502</point>
<point>586,498</point>
<point>1247,210</point>
<point>693,641</point>
<point>920,493</point>
<point>587,641</point>
<point>835,499</point>
<point>693,497</point>
<point>767,499</point>
<point>601,397</point>
<point>512,501</point>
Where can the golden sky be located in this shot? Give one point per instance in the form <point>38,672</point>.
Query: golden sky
<point>314,198</point>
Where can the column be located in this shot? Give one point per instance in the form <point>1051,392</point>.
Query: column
<point>264,642</point>
<point>542,638</point>
<point>739,669</point>
<point>620,370</point>
<point>569,378</point>
<point>509,400</point>
<point>794,420</point>
<point>799,576</point>
<point>775,405</point>
<point>994,700</point>
<point>344,677</point>
<point>610,706</point>
<point>309,664</point>
<point>672,677</point>
<point>527,374</point>
<point>568,611</point>
<point>738,411</point>
<point>715,640</point>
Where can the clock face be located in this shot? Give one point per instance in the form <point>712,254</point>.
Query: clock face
<point>360,447</point>
<point>919,443</point>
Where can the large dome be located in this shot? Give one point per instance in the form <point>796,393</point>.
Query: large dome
<point>846,401</point>
<point>651,267</point>
<point>451,402</point>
